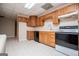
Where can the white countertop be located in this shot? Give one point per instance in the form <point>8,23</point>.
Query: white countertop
<point>54,30</point>
<point>44,30</point>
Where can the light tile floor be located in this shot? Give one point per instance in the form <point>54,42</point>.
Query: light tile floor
<point>29,48</point>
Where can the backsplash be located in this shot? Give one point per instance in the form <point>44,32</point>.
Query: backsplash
<point>69,23</point>
<point>48,25</point>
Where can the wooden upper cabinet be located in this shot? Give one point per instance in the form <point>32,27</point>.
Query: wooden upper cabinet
<point>35,21</point>
<point>28,23</point>
<point>63,11</point>
<point>67,9</point>
<point>32,21</point>
<point>22,19</point>
<point>48,16</point>
<point>55,19</point>
<point>40,21</point>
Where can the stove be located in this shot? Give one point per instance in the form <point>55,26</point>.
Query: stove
<point>67,41</point>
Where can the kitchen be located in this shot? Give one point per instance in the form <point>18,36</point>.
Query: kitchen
<point>57,29</point>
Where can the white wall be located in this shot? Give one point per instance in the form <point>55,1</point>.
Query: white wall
<point>7,26</point>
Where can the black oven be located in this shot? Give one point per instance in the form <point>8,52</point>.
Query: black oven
<point>69,40</point>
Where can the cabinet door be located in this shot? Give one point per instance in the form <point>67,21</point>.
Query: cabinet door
<point>47,38</point>
<point>30,35</point>
<point>33,20</point>
<point>42,37</point>
<point>22,19</point>
<point>56,20</point>
<point>67,9</point>
<point>55,17</point>
<point>52,39</point>
<point>40,22</point>
<point>29,22</point>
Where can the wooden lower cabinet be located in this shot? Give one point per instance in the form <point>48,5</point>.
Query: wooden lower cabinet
<point>47,38</point>
<point>30,35</point>
<point>42,37</point>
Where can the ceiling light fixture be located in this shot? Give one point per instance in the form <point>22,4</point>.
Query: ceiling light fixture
<point>29,5</point>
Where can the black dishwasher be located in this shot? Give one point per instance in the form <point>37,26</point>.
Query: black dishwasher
<point>36,36</point>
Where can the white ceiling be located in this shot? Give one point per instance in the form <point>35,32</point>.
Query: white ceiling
<point>13,9</point>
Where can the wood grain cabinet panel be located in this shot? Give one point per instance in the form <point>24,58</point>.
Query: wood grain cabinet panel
<point>32,21</point>
<point>51,39</point>
<point>29,23</point>
<point>35,21</point>
<point>47,38</point>
<point>30,35</point>
<point>42,37</point>
<point>40,22</point>
<point>55,19</point>
<point>22,19</point>
<point>67,9</point>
